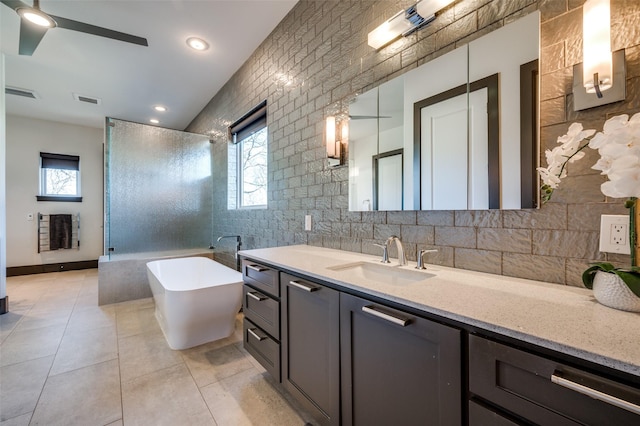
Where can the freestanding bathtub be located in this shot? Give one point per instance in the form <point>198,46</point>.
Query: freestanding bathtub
<point>196,299</point>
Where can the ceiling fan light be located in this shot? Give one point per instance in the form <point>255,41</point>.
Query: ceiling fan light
<point>37,17</point>
<point>197,43</point>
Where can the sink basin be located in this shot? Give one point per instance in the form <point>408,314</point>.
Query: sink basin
<point>381,273</point>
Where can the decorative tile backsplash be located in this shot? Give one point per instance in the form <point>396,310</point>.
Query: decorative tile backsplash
<point>318,57</point>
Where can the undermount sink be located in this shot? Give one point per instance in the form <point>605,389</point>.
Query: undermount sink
<point>381,273</point>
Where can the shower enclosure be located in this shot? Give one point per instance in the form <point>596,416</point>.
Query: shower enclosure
<point>158,189</point>
<point>158,203</point>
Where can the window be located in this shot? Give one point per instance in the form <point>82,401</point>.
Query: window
<point>248,160</point>
<point>59,177</point>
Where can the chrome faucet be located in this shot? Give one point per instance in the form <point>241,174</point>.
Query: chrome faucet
<point>238,245</point>
<point>421,253</point>
<point>402,259</point>
<point>385,252</point>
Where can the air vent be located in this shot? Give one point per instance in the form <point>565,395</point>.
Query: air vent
<point>25,93</point>
<point>87,99</point>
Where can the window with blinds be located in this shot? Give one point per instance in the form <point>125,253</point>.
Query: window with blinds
<point>248,160</point>
<point>59,177</point>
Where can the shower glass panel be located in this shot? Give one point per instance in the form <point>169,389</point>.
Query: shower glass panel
<point>158,189</point>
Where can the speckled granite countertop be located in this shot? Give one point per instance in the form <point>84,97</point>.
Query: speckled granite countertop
<point>561,318</point>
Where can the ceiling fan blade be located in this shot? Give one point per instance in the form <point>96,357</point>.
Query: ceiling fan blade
<point>30,36</point>
<point>14,4</point>
<point>70,24</point>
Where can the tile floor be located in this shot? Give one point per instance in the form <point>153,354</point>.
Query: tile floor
<point>64,360</point>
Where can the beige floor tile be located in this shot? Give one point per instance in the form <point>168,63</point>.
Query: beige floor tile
<point>133,305</point>
<point>136,321</point>
<point>249,398</point>
<point>8,323</point>
<point>21,385</point>
<point>37,318</point>
<point>92,316</point>
<point>209,365</point>
<point>26,345</point>
<point>166,397</point>
<point>85,347</point>
<point>116,423</point>
<point>18,421</point>
<point>145,353</point>
<point>87,396</point>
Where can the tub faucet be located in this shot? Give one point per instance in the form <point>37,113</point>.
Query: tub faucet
<point>402,259</point>
<point>238,245</point>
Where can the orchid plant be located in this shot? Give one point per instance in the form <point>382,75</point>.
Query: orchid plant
<point>619,147</point>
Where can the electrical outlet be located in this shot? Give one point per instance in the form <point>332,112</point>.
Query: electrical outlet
<point>614,234</point>
<point>307,222</point>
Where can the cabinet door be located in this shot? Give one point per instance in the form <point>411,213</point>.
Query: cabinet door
<point>397,369</point>
<point>310,346</point>
<point>545,391</point>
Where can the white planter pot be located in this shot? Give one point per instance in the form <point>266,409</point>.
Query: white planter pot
<point>611,291</point>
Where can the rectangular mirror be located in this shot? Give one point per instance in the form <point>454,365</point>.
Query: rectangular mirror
<point>457,133</point>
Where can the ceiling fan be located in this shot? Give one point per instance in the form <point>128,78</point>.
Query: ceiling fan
<point>34,24</point>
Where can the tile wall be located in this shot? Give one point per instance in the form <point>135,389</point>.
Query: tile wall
<point>317,59</point>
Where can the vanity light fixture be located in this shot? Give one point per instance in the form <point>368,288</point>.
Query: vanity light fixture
<point>406,22</point>
<point>197,43</point>
<point>597,67</point>
<point>602,73</point>
<point>335,142</point>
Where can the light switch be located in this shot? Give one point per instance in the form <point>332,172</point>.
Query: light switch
<point>307,222</point>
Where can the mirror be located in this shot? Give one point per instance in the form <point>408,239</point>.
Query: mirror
<point>457,133</point>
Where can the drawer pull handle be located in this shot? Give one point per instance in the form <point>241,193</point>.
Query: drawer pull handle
<point>255,335</point>
<point>399,321</point>
<point>304,287</point>
<point>605,397</point>
<point>257,296</point>
<point>256,268</point>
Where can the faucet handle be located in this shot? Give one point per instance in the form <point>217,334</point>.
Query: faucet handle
<point>385,252</point>
<point>421,253</point>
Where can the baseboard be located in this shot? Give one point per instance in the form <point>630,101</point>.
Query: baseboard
<point>51,267</point>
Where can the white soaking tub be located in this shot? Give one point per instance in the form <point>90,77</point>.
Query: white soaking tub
<point>196,299</point>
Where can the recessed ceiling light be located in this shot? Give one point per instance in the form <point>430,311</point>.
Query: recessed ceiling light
<point>197,43</point>
<point>154,121</point>
<point>160,108</point>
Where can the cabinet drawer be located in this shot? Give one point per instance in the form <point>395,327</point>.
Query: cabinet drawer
<point>261,277</point>
<point>481,416</point>
<point>262,310</point>
<point>521,383</point>
<point>263,348</point>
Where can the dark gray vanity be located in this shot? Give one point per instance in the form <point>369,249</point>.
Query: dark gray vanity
<point>351,356</point>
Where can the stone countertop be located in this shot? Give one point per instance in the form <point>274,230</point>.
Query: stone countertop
<point>565,319</point>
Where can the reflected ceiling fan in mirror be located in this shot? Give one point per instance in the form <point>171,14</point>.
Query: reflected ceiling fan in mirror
<point>34,24</point>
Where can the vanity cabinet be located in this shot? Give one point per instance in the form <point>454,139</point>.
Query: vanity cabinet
<point>539,390</point>
<point>310,346</point>
<point>261,308</point>
<point>397,368</point>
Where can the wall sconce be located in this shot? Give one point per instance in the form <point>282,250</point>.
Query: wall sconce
<point>336,142</point>
<point>406,22</point>
<point>600,79</point>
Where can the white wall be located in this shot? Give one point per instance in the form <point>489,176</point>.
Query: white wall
<point>25,139</point>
